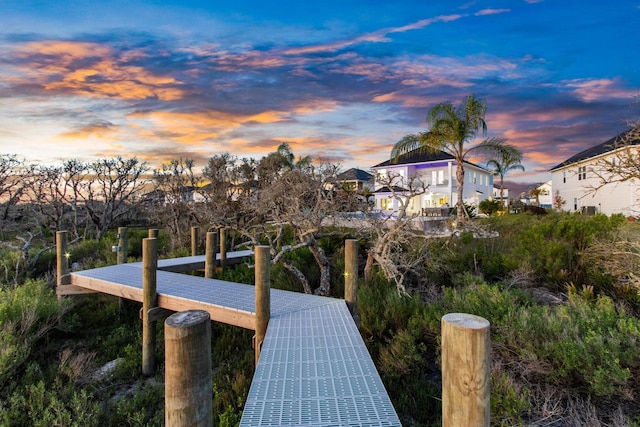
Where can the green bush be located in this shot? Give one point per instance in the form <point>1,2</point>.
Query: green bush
<point>588,345</point>
<point>27,313</point>
<point>490,207</point>
<point>553,245</point>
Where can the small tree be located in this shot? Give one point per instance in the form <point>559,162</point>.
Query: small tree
<point>558,201</point>
<point>505,163</point>
<point>535,193</point>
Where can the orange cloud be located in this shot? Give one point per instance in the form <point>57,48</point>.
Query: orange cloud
<point>64,51</point>
<point>107,76</point>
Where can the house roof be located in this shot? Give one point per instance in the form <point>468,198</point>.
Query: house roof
<point>629,137</point>
<point>354,174</point>
<point>421,156</point>
<point>393,189</point>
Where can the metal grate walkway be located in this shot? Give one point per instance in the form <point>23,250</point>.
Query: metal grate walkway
<point>314,368</point>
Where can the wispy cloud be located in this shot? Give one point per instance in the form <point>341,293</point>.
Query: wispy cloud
<point>372,37</point>
<point>485,12</point>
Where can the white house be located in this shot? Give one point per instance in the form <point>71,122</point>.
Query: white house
<point>437,171</point>
<point>356,180</point>
<point>543,198</point>
<point>504,198</point>
<point>574,179</point>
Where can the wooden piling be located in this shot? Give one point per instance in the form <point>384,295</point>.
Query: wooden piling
<point>149,301</point>
<point>466,363</point>
<point>263,296</point>
<point>122,256</point>
<point>210,254</point>
<point>62,258</point>
<point>223,247</point>
<point>121,253</point>
<point>153,233</point>
<point>187,375</point>
<point>351,275</point>
<point>195,232</point>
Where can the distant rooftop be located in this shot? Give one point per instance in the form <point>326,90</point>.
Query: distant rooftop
<point>354,174</point>
<point>629,137</point>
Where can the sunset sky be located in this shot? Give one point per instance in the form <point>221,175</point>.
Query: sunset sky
<point>338,80</point>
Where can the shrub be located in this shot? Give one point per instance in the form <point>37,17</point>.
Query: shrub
<point>27,313</point>
<point>490,207</point>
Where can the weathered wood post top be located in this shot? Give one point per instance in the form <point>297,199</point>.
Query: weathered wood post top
<point>466,364</point>
<point>188,387</point>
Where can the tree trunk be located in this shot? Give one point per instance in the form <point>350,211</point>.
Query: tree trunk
<point>325,268</point>
<point>303,280</point>
<point>368,267</point>
<point>460,204</point>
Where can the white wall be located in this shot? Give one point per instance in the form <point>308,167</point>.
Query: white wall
<point>610,199</point>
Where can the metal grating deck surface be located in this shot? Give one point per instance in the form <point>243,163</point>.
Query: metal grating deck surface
<point>314,368</point>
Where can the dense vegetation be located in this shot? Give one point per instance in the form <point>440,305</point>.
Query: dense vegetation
<point>560,292</point>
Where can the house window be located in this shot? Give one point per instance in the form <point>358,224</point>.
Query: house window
<point>474,178</point>
<point>434,177</point>
<point>582,173</point>
<point>564,177</point>
<point>440,177</point>
<point>385,204</point>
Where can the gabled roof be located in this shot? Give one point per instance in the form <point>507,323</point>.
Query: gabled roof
<point>354,174</point>
<point>393,189</point>
<point>421,156</point>
<point>629,137</point>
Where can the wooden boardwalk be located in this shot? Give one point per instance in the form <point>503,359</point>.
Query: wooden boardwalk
<point>314,368</point>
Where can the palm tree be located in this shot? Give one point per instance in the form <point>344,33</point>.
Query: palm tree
<point>451,129</point>
<point>503,165</point>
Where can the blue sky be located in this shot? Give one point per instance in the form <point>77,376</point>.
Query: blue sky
<point>338,80</point>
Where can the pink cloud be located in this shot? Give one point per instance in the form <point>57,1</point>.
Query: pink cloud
<point>598,89</point>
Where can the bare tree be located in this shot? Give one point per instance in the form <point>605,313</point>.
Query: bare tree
<point>394,235</point>
<point>11,187</point>
<point>623,165</point>
<point>176,185</point>
<point>112,194</point>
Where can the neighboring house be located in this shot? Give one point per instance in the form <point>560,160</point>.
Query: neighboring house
<point>574,179</point>
<point>438,172</point>
<point>356,180</point>
<point>505,196</point>
<point>543,198</point>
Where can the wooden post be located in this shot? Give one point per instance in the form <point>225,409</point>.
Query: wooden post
<point>62,258</point>
<point>466,363</point>
<point>210,254</point>
<point>153,233</point>
<point>351,275</point>
<point>62,261</point>
<point>149,301</point>
<point>187,376</point>
<point>121,256</point>
<point>223,248</point>
<point>263,296</point>
<point>121,253</point>
<point>195,231</point>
